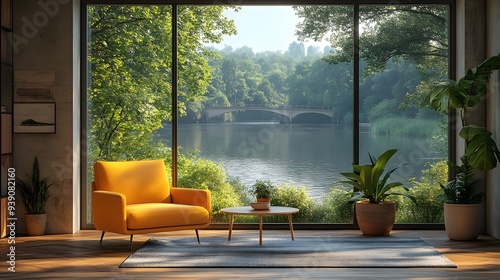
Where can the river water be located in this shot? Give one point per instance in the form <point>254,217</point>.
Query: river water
<point>311,155</point>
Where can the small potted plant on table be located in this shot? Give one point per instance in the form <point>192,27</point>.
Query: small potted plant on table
<point>262,190</point>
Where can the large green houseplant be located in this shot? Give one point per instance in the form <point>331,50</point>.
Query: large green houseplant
<point>462,96</point>
<point>371,184</point>
<point>34,195</point>
<point>462,207</point>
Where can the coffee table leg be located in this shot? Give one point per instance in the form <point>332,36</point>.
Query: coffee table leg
<point>230,227</point>
<point>260,230</point>
<point>291,225</point>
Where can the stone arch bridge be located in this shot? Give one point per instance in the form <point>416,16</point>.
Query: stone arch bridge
<point>287,113</point>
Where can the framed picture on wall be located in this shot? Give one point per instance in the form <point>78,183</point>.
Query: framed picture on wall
<point>34,86</point>
<point>35,117</point>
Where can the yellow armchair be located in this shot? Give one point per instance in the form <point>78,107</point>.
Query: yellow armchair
<point>132,197</point>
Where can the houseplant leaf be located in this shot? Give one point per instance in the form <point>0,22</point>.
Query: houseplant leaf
<point>481,150</point>
<point>370,180</point>
<point>366,180</point>
<point>476,79</point>
<point>383,159</point>
<point>445,96</point>
<point>466,92</point>
<point>35,193</point>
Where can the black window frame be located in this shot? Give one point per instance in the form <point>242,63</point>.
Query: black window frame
<point>175,3</point>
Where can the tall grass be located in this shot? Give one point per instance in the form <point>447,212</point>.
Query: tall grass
<point>398,126</point>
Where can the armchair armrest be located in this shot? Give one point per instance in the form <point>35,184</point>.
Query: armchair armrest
<point>109,211</point>
<point>192,197</point>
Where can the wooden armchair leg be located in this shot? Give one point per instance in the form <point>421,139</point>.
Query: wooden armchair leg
<point>130,247</point>
<point>102,236</point>
<point>197,235</point>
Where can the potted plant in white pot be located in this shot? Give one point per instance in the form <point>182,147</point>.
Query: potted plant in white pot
<point>462,208</point>
<point>374,214</point>
<point>34,194</point>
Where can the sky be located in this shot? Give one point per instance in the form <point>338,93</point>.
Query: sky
<point>269,28</point>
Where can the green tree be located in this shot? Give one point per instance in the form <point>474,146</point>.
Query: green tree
<point>130,53</point>
<point>246,79</point>
<point>418,34</point>
<point>296,50</point>
<point>299,91</point>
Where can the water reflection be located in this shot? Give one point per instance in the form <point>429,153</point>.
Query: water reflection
<point>312,155</point>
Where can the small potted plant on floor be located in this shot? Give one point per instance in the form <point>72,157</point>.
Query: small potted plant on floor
<point>374,214</point>
<point>34,194</point>
<point>462,208</point>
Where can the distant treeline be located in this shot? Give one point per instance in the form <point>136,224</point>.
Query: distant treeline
<point>300,77</point>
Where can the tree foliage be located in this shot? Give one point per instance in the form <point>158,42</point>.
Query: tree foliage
<point>130,59</point>
<point>417,33</point>
<point>387,33</point>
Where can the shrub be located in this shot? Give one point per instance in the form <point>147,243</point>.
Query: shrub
<point>335,207</point>
<point>429,209</point>
<point>205,174</point>
<point>199,173</point>
<point>292,196</point>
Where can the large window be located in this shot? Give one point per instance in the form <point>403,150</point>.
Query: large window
<point>403,49</point>
<point>229,95</point>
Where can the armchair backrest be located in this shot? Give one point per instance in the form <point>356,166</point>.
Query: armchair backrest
<point>143,181</point>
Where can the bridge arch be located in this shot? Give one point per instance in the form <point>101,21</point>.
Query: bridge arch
<point>287,113</point>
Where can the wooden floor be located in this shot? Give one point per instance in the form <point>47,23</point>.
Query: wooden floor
<point>79,256</point>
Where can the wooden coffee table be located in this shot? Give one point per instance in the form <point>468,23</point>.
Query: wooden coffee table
<point>247,210</point>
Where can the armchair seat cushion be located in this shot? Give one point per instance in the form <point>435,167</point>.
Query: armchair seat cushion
<point>157,215</point>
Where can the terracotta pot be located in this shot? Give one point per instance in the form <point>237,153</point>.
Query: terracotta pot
<point>263,200</point>
<point>376,219</point>
<point>35,223</point>
<point>462,221</point>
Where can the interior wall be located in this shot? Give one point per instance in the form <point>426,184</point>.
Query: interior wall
<point>493,123</point>
<point>470,52</point>
<point>43,41</point>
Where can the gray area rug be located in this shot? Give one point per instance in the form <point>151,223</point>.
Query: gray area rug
<point>359,251</point>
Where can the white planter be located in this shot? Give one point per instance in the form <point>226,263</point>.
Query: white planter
<point>462,221</point>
